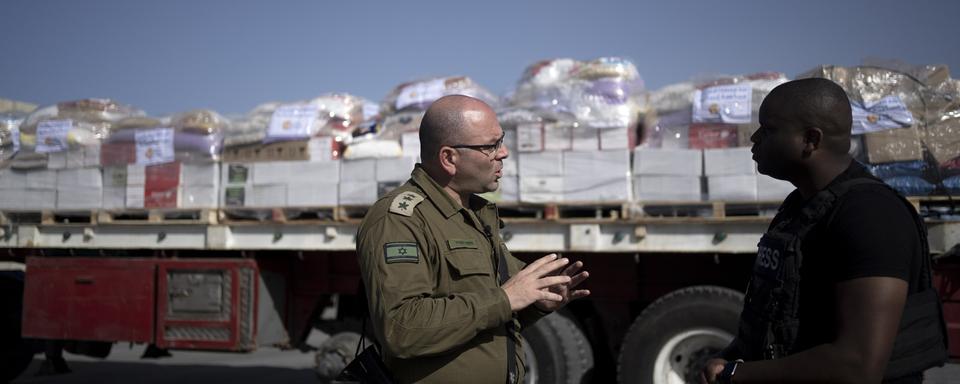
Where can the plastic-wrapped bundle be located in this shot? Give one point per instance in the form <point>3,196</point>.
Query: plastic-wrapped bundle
<point>942,136</point>
<point>910,185</point>
<point>908,177</point>
<point>336,114</point>
<point>194,136</point>
<point>71,125</point>
<point>418,95</point>
<point>707,113</point>
<point>602,93</point>
<point>888,109</point>
<point>9,134</point>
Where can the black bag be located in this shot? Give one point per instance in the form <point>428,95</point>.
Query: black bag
<point>367,366</point>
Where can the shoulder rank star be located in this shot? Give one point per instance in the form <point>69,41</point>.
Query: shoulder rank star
<point>405,202</point>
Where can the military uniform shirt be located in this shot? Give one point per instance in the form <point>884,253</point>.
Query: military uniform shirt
<point>430,271</point>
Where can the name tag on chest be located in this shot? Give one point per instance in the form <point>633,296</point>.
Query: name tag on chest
<point>462,244</point>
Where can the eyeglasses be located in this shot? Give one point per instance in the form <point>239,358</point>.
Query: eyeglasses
<point>486,149</point>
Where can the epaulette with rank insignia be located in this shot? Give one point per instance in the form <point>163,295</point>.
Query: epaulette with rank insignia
<point>404,203</point>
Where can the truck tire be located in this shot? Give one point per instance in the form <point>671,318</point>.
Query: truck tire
<point>557,351</point>
<point>673,338</point>
<point>15,352</point>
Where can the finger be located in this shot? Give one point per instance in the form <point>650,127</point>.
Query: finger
<point>572,269</point>
<point>540,262</point>
<point>578,294</point>
<point>579,278</point>
<point>550,296</point>
<point>553,267</point>
<point>550,281</point>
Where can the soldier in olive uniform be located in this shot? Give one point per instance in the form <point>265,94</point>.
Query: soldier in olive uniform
<point>447,299</point>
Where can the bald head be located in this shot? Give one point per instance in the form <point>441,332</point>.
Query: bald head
<point>447,122</point>
<point>816,102</point>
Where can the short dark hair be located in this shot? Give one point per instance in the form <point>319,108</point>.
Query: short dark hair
<point>820,103</point>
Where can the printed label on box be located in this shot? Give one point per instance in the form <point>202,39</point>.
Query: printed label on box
<point>421,92</point>
<point>530,137</point>
<point>234,196</point>
<point>237,174</point>
<point>292,122</point>
<point>707,136</point>
<point>52,135</point>
<point>154,146</point>
<point>887,113</point>
<point>729,104</point>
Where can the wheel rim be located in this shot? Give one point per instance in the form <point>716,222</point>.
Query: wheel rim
<point>532,374</point>
<point>681,357</point>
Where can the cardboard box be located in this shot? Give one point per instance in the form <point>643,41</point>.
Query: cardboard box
<point>585,139</point>
<point>744,132</point>
<point>198,196</point>
<point>661,161</point>
<point>540,163</point>
<point>200,174</point>
<point>161,187</point>
<point>704,136</point>
<point>57,160</point>
<point>530,137</point>
<point>12,199</point>
<point>136,174</point>
<point>943,139</point>
<point>312,194</point>
<point>615,138</point>
<point>557,137</point>
<point>510,166</point>
<point>69,179</point>
<point>80,198</point>
<point>358,170</point>
<point>358,192</point>
<point>91,155</point>
<point>41,179</point>
<point>287,172</point>
<point>135,196</point>
<point>770,189</point>
<point>12,179</point>
<point>596,189</point>
<point>732,188</point>
<point>74,158</point>
<point>273,195</point>
<point>315,149</point>
<point>114,177</point>
<point>395,168</point>
<point>541,189</point>
<point>728,161</point>
<point>39,198</point>
<point>892,145</point>
<point>649,188</point>
<point>675,137</point>
<point>612,164</point>
<point>114,197</point>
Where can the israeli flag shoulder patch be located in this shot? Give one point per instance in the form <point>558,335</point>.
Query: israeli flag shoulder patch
<point>401,253</point>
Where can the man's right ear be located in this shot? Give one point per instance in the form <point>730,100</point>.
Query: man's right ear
<point>449,157</point>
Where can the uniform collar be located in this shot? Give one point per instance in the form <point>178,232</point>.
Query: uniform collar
<point>440,198</point>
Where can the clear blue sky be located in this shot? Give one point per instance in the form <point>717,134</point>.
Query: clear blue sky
<point>171,55</point>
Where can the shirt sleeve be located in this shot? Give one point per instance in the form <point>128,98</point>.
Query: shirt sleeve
<point>873,234</point>
<point>407,316</point>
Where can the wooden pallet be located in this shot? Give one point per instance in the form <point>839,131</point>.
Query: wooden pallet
<point>565,211</point>
<point>157,216</point>
<point>351,213</point>
<point>48,216</point>
<point>705,209</point>
<point>302,215</point>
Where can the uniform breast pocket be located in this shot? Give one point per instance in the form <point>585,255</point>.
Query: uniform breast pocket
<point>465,263</point>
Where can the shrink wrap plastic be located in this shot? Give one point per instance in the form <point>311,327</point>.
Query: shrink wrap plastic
<point>602,93</point>
<point>67,126</point>
<point>197,136</point>
<point>707,113</point>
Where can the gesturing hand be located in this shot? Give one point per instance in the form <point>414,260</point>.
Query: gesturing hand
<point>566,291</point>
<point>533,283</point>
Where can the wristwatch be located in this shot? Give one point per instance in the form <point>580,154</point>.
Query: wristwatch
<point>729,369</point>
